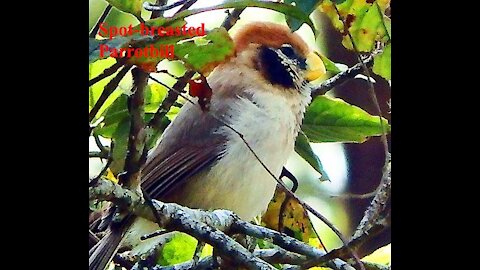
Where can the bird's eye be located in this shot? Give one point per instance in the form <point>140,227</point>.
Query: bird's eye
<point>288,51</point>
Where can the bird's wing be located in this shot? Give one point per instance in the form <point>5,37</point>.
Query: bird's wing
<point>188,146</point>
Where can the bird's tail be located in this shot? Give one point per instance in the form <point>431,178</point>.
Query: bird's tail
<point>100,255</point>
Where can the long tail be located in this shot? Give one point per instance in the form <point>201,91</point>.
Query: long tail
<point>100,255</point>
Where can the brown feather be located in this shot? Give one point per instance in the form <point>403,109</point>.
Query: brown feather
<point>100,255</point>
<point>186,148</point>
<point>268,34</point>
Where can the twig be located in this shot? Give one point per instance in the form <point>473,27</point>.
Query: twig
<point>341,77</point>
<point>108,71</point>
<point>107,165</point>
<point>349,196</point>
<point>186,6</point>
<point>99,144</point>
<point>153,234</point>
<point>159,13</point>
<point>107,91</point>
<point>378,203</point>
<point>232,18</point>
<point>150,7</point>
<point>99,21</point>
<point>97,154</point>
<point>343,252</point>
<point>198,252</point>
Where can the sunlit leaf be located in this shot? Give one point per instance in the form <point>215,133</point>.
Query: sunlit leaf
<point>329,65</point>
<point>382,64</point>
<point>179,249</point>
<point>130,6</point>
<point>333,120</point>
<point>382,255</point>
<point>95,90</point>
<point>285,214</point>
<point>303,148</point>
<point>204,58</point>
<point>364,20</point>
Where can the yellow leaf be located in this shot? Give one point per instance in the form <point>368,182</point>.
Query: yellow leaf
<point>382,255</point>
<point>110,176</point>
<point>287,215</point>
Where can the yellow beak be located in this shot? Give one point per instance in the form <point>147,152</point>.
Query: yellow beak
<point>315,67</point>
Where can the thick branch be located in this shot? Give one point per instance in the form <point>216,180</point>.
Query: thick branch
<point>136,141</point>
<point>207,226</point>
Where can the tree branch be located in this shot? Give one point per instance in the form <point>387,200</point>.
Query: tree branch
<point>211,227</point>
<point>150,7</point>
<point>342,77</point>
<point>344,253</point>
<point>135,158</point>
<point>102,17</point>
<point>378,203</point>
<point>107,91</point>
<point>107,72</point>
<point>232,18</point>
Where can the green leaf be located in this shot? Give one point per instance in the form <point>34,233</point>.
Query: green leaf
<point>130,6</point>
<point>382,63</point>
<point>303,148</point>
<point>96,69</point>
<point>120,138</point>
<point>333,120</point>
<point>118,110</point>
<point>307,6</point>
<point>203,56</point>
<point>288,10</point>
<point>179,249</point>
<point>364,20</point>
<point>329,65</point>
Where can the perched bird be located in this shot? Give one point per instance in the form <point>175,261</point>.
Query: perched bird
<point>262,92</point>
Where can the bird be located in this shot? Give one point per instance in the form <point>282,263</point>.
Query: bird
<point>262,92</point>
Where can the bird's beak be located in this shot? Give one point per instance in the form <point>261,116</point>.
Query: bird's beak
<point>315,67</point>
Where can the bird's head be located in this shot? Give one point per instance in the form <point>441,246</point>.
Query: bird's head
<point>282,57</point>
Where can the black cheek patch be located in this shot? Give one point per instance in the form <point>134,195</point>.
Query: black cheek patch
<point>273,69</point>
